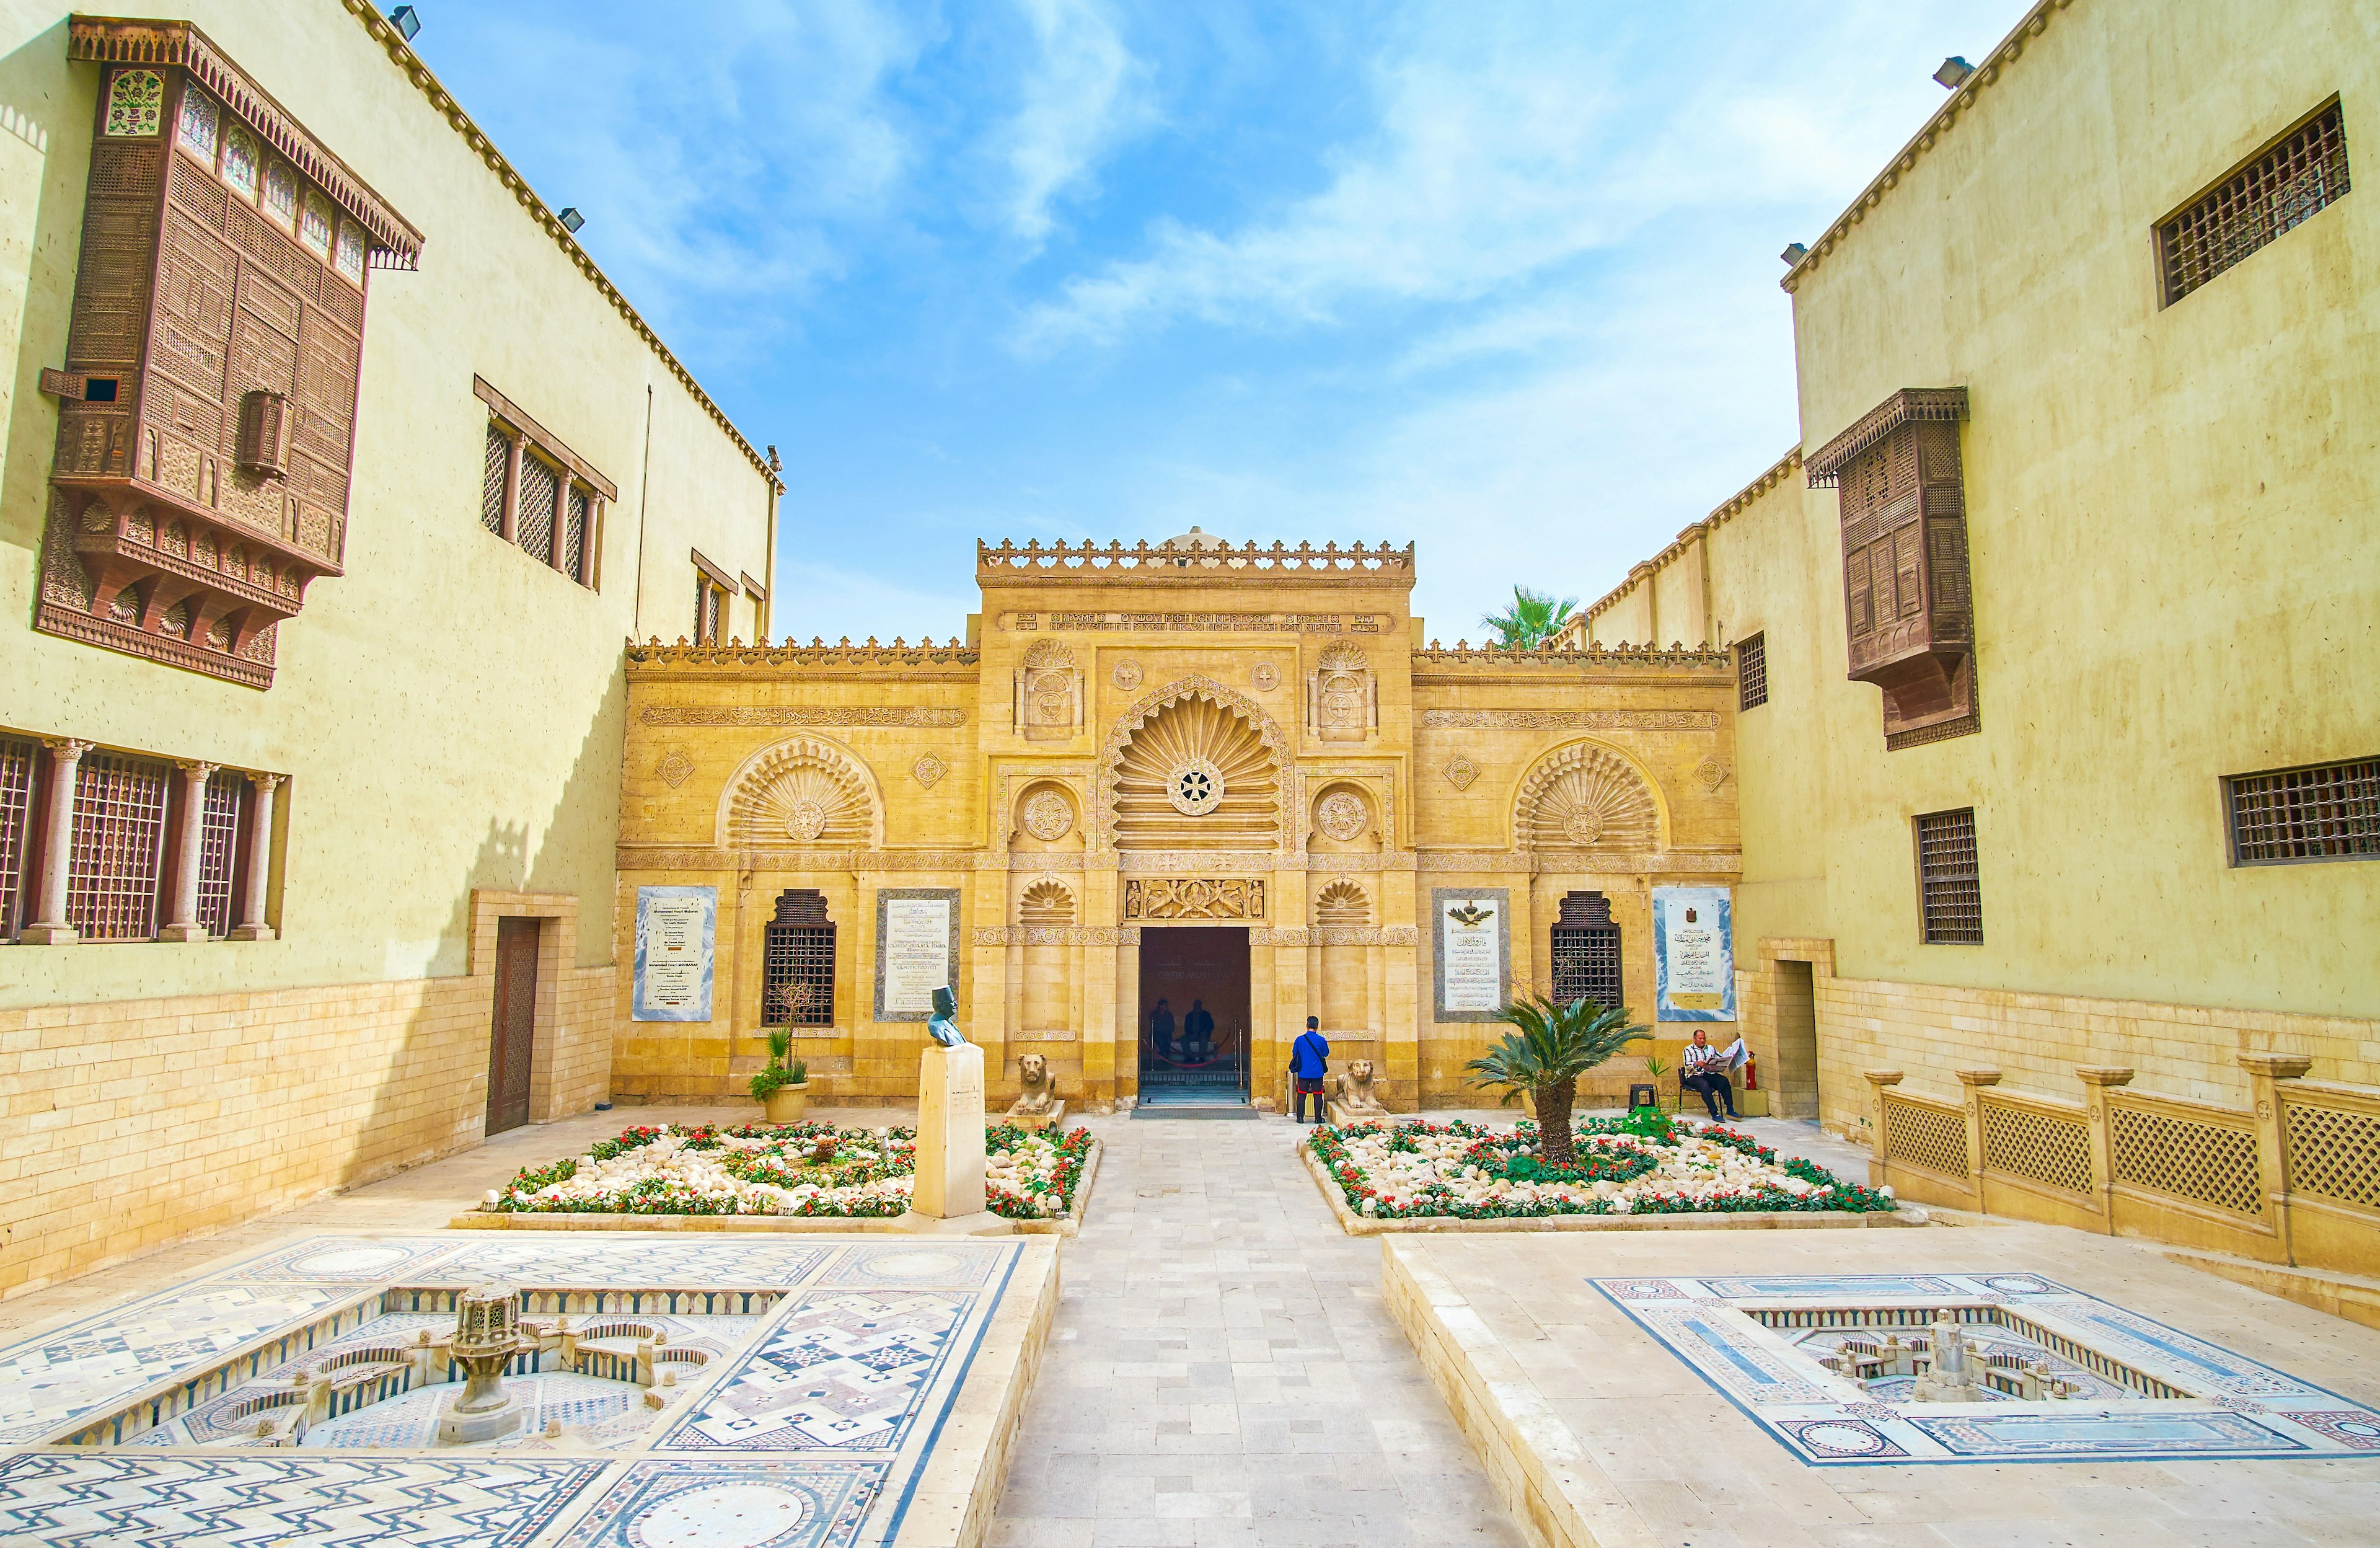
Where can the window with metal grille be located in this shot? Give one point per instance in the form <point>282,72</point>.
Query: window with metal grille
<point>219,850</point>
<point>710,610</point>
<point>491,480</point>
<point>2328,811</point>
<point>16,759</point>
<point>533,518</point>
<point>1751,672</point>
<point>118,839</point>
<point>2280,190</point>
<point>1950,897</point>
<point>798,962</point>
<point>1586,951</point>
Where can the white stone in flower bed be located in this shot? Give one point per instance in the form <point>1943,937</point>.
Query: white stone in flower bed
<point>680,1170</point>
<point>1390,1170</point>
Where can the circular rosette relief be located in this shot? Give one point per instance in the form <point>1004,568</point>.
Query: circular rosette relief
<point>1048,816</point>
<point>1586,797</point>
<point>1197,787</point>
<point>1342,816</point>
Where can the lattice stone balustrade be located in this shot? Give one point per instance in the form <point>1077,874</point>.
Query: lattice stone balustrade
<point>2293,1178</point>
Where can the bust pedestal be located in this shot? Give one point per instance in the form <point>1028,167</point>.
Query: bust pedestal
<point>947,1198</point>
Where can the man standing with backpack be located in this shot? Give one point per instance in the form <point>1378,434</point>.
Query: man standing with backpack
<point>1308,1058</point>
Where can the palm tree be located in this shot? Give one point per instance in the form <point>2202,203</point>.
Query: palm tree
<point>1534,618</point>
<point>1553,1042</point>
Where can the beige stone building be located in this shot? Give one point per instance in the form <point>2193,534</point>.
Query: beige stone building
<point>1237,779</point>
<point>2058,699</point>
<point>335,474</point>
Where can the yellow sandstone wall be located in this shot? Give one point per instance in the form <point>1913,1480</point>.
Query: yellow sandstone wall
<point>2172,577</point>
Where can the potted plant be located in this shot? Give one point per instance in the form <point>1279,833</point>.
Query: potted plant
<point>782,1089</point>
<point>1552,1043</point>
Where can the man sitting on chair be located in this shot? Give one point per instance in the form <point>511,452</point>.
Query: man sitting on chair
<point>1705,1071</point>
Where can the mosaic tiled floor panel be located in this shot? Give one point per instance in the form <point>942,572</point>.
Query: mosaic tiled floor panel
<point>1835,1366</point>
<point>830,1403</point>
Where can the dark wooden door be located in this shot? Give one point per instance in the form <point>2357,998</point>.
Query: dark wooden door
<point>514,1030</point>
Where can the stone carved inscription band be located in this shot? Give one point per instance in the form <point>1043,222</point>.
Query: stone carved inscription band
<point>1203,623</point>
<point>802,714</point>
<point>1056,935</point>
<point>1575,720</point>
<point>1193,898</point>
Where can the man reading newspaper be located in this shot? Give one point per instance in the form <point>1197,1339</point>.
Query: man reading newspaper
<point>1706,1071</point>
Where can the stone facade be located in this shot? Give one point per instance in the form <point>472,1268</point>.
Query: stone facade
<point>1132,740</point>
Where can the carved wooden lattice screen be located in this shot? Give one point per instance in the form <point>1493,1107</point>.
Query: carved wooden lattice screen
<point>218,850</point>
<point>2330,812</point>
<point>118,837</point>
<point>533,519</point>
<point>494,479</point>
<point>1949,891</point>
<point>1586,951</point>
<point>2278,190</point>
<point>1751,672</point>
<point>16,760</point>
<point>798,962</point>
<point>574,535</point>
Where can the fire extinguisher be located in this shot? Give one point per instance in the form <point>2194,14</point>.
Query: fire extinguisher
<point>1750,1072</point>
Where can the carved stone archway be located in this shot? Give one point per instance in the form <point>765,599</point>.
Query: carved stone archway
<point>1587,796</point>
<point>802,791</point>
<point>1231,761</point>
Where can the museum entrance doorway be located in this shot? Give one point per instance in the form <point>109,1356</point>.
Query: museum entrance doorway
<point>1194,1015</point>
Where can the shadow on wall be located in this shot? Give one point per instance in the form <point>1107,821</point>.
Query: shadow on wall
<point>432,1096</point>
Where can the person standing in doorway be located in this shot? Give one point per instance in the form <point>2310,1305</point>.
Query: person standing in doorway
<point>1309,1056</point>
<point>1198,1035</point>
<point>1705,1071</point>
<point>1161,1029</point>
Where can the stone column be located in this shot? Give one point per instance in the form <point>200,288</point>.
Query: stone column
<point>50,927</point>
<point>1878,1080</point>
<point>2101,1079</point>
<point>1974,1084</point>
<point>509,521</point>
<point>260,862</point>
<point>947,1197</point>
<point>185,925</point>
<point>2264,1073</point>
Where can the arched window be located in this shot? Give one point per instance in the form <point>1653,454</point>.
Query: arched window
<point>797,963</point>
<point>1586,951</point>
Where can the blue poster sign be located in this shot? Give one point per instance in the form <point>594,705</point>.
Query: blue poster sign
<point>1693,955</point>
<point>676,929</point>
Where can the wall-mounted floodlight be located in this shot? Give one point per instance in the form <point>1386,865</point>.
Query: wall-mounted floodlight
<point>1953,73</point>
<point>1794,253</point>
<point>571,219</point>
<point>406,20</point>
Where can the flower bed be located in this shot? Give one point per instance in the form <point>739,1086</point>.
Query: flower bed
<point>1641,1165</point>
<point>768,1169</point>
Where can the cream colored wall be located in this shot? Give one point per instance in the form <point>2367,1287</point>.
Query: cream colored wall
<point>2167,513</point>
<point>2173,581</point>
<point>450,712</point>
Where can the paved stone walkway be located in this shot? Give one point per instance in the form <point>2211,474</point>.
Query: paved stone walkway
<point>1224,1372</point>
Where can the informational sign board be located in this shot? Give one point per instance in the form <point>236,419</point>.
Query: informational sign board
<point>916,950</point>
<point>677,931</point>
<point>1693,955</point>
<point>1473,970</point>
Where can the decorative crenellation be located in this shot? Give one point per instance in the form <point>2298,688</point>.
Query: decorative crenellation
<point>1570,720</point>
<point>1196,623</point>
<point>817,652</point>
<point>1065,564</point>
<point>803,714</point>
<point>1554,655</point>
<point>1727,511</point>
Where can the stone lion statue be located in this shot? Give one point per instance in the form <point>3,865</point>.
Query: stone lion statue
<point>1358,1091</point>
<point>1039,1093</point>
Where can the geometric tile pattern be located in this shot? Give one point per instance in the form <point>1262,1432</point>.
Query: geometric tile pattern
<point>833,1396</point>
<point>189,1502</point>
<point>1829,1364</point>
<point>845,1372</point>
<point>776,1504</point>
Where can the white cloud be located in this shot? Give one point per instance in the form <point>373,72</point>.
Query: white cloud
<point>1078,98</point>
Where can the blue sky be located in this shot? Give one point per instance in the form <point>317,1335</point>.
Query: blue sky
<point>1498,278</point>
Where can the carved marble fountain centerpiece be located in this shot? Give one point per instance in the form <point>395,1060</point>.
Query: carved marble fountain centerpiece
<point>487,1336</point>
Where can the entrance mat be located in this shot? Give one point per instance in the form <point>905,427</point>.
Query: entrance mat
<point>1189,1110</point>
<point>1844,1369</point>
